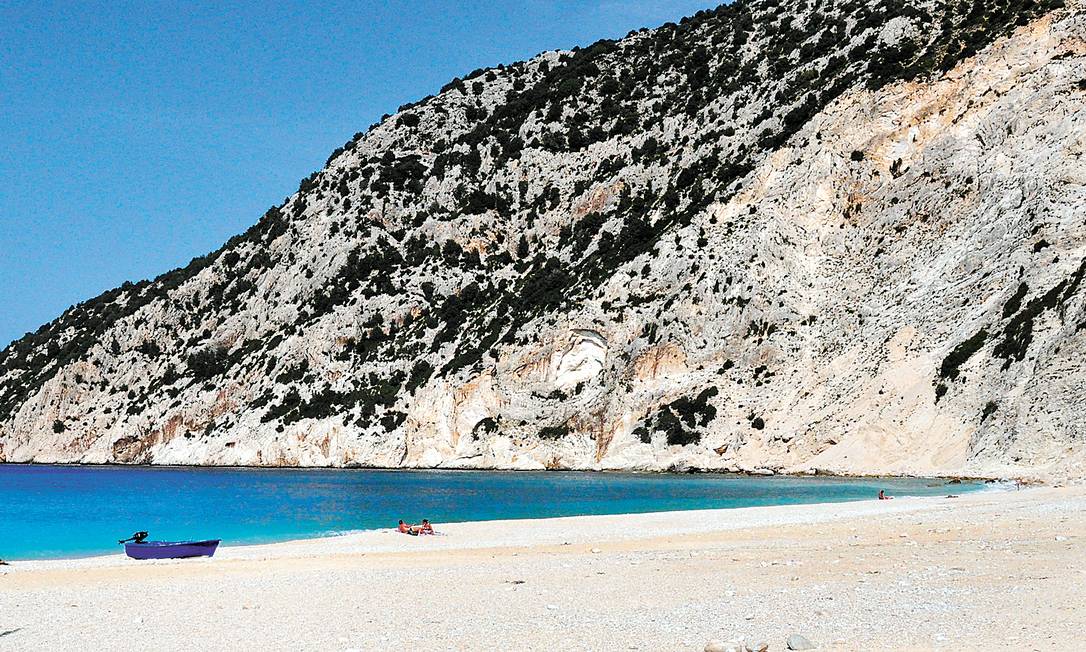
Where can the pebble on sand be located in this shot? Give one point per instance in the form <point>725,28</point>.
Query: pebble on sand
<point>736,645</point>
<point>797,642</point>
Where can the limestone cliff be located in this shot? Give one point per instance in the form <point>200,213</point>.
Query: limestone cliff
<point>790,236</point>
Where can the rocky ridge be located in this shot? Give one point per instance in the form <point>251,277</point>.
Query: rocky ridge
<point>774,236</point>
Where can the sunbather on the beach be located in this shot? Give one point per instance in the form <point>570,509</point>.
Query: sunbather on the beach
<point>404,528</point>
<point>426,528</point>
<point>883,496</point>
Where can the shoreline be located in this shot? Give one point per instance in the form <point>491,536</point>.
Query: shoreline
<point>988,570</point>
<point>749,473</point>
<point>454,536</point>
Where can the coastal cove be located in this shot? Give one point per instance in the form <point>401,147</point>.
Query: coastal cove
<point>76,511</point>
<point>622,326</point>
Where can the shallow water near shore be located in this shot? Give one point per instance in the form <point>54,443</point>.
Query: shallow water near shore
<point>72,511</point>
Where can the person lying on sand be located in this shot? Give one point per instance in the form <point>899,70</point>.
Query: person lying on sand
<point>883,496</point>
<point>425,528</point>
<point>404,528</point>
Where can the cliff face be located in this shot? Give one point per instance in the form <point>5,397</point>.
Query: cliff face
<point>787,236</point>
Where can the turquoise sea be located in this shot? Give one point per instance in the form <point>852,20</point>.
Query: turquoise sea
<point>73,511</point>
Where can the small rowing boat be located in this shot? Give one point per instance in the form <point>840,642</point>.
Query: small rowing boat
<point>137,547</point>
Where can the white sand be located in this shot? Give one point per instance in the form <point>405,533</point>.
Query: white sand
<point>987,569</point>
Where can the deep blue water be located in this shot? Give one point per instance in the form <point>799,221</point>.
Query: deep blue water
<point>71,511</point>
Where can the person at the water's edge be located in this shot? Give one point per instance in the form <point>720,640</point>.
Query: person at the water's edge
<point>883,496</point>
<point>415,530</point>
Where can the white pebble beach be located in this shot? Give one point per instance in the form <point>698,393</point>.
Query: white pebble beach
<point>993,569</point>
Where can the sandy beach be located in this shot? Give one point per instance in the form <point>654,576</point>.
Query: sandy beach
<point>995,569</point>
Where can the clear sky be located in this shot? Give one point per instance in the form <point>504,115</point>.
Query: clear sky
<point>135,136</point>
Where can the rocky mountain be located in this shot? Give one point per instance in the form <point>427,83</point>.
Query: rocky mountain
<point>791,236</point>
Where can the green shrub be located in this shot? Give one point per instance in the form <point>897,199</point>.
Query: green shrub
<point>960,354</point>
<point>554,432</point>
<point>681,420</point>
<point>208,363</point>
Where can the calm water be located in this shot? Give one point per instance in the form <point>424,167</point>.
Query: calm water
<point>56,511</point>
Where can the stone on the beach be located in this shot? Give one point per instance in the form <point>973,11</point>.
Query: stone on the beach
<point>758,645</point>
<point>716,646</point>
<point>798,642</point>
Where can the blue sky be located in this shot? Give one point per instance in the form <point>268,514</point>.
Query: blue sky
<point>134,137</point>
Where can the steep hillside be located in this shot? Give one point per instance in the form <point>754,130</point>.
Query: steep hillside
<point>843,236</point>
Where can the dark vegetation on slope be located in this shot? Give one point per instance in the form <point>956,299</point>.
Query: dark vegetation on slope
<point>30,362</point>
<point>1013,340</point>
<point>961,354</point>
<point>1018,333</point>
<point>680,421</point>
<point>587,97</point>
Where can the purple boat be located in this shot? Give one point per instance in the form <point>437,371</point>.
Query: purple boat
<point>137,547</point>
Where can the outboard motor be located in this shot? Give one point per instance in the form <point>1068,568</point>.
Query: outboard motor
<point>138,537</point>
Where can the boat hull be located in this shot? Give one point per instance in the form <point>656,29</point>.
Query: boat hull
<point>171,549</point>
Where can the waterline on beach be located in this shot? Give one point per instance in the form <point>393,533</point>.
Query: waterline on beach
<point>60,511</point>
